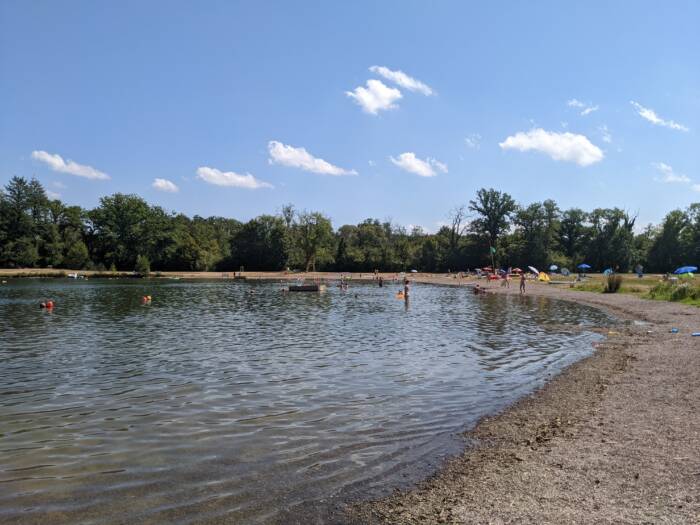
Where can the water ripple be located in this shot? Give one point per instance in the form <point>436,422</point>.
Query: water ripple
<point>213,402</point>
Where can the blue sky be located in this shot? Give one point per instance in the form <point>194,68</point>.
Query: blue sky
<point>243,107</point>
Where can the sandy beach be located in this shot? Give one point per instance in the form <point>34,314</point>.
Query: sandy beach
<point>613,439</point>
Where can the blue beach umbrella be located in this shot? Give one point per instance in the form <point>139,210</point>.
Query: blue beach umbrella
<point>553,268</point>
<point>686,269</point>
<point>609,271</point>
<point>584,266</point>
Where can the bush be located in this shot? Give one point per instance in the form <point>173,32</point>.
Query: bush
<point>613,283</point>
<point>143,266</point>
<point>675,292</point>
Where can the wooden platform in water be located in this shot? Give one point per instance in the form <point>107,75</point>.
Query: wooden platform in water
<point>307,287</point>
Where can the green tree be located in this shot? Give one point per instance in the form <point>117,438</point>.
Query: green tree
<point>494,210</point>
<point>77,256</point>
<point>313,239</point>
<point>666,250</point>
<point>261,244</point>
<point>573,234</point>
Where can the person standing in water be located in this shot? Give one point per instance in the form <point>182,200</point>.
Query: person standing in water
<point>522,283</point>
<point>405,289</point>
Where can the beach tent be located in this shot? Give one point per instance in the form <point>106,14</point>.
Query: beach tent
<point>543,277</point>
<point>533,270</point>
<point>685,269</point>
<point>584,266</point>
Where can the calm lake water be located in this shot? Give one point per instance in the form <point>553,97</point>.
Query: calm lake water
<point>215,403</point>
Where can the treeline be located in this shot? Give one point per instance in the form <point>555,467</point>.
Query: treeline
<point>126,233</point>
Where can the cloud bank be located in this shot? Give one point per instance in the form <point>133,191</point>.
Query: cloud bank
<point>300,158</point>
<point>568,147</point>
<point>55,162</point>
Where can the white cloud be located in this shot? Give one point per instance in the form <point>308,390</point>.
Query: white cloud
<point>300,158</point>
<point>425,168</point>
<point>605,134</point>
<point>52,195</point>
<point>230,178</point>
<point>375,97</point>
<point>696,187</point>
<point>371,163</point>
<point>56,163</point>
<point>566,146</point>
<point>403,80</point>
<point>473,141</point>
<point>165,185</point>
<point>586,108</point>
<point>650,115</point>
<point>669,176</point>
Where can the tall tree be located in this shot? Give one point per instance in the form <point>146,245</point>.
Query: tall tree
<point>313,238</point>
<point>666,251</point>
<point>572,234</point>
<point>494,210</point>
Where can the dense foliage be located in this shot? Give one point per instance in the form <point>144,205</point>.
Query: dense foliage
<point>126,233</point>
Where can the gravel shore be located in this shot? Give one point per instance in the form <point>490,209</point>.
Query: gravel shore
<point>613,439</point>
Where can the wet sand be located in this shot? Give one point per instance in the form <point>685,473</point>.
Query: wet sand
<point>613,439</point>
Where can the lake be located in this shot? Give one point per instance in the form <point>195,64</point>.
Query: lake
<point>232,400</point>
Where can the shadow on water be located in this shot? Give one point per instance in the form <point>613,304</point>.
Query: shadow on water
<point>236,400</point>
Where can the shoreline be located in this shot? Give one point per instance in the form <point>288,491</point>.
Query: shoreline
<point>612,438</point>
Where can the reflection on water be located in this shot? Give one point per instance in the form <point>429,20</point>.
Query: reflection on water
<point>216,402</point>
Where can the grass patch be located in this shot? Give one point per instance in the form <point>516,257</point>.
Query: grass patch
<point>687,293</point>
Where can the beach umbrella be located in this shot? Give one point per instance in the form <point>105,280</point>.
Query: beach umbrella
<point>686,269</point>
<point>565,272</point>
<point>516,270</point>
<point>533,270</point>
<point>584,266</point>
<point>553,268</point>
<point>608,271</point>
